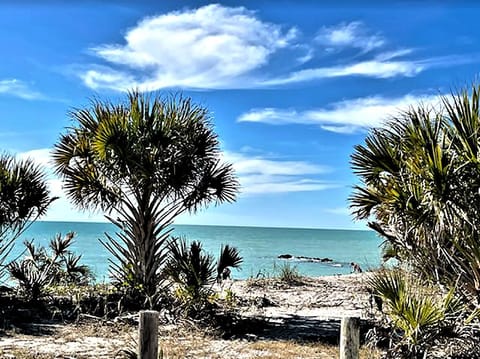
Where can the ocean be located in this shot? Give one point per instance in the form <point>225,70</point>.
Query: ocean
<point>259,246</point>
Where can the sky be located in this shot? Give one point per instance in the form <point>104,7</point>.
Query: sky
<point>292,86</point>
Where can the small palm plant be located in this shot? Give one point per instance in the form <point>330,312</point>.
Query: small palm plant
<point>41,268</point>
<point>191,267</point>
<point>195,271</point>
<point>417,312</point>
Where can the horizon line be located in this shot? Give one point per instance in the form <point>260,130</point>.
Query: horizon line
<point>223,225</point>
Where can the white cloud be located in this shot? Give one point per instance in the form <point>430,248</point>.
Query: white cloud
<point>61,209</point>
<point>259,175</point>
<point>40,157</point>
<point>340,211</point>
<point>382,66</point>
<point>347,116</point>
<point>373,68</point>
<point>385,56</point>
<point>220,47</point>
<point>107,78</point>
<point>209,47</point>
<point>353,34</point>
<point>18,88</point>
<point>217,47</point>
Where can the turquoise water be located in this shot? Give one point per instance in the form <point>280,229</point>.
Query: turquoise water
<point>259,246</point>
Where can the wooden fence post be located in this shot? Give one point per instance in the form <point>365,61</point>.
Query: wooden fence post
<point>350,338</point>
<point>148,335</point>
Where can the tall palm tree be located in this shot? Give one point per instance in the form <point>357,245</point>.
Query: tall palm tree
<point>420,187</point>
<point>143,162</point>
<point>24,197</point>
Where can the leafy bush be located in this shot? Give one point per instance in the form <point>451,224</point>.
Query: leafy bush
<point>419,187</point>
<point>191,268</point>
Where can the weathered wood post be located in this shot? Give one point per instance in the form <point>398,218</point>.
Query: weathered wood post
<point>148,335</point>
<point>350,338</point>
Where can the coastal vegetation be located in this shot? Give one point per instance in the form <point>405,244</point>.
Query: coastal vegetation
<point>147,160</point>
<point>24,197</point>
<point>420,189</point>
<point>195,271</point>
<point>42,268</point>
<point>143,162</point>
<point>288,273</point>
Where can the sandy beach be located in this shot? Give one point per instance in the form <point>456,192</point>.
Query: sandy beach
<point>301,317</point>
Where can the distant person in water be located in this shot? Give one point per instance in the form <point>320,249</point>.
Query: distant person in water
<point>356,268</point>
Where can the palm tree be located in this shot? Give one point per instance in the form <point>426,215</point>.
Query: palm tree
<point>143,162</point>
<point>420,187</point>
<point>24,197</point>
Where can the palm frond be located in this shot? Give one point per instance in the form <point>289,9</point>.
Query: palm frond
<point>229,257</point>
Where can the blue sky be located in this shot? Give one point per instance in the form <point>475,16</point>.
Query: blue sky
<point>292,85</point>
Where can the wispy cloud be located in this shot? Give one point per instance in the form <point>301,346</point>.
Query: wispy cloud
<point>18,88</point>
<point>341,211</point>
<point>373,68</point>
<point>101,77</point>
<point>259,175</point>
<point>383,65</point>
<point>347,116</point>
<point>353,34</point>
